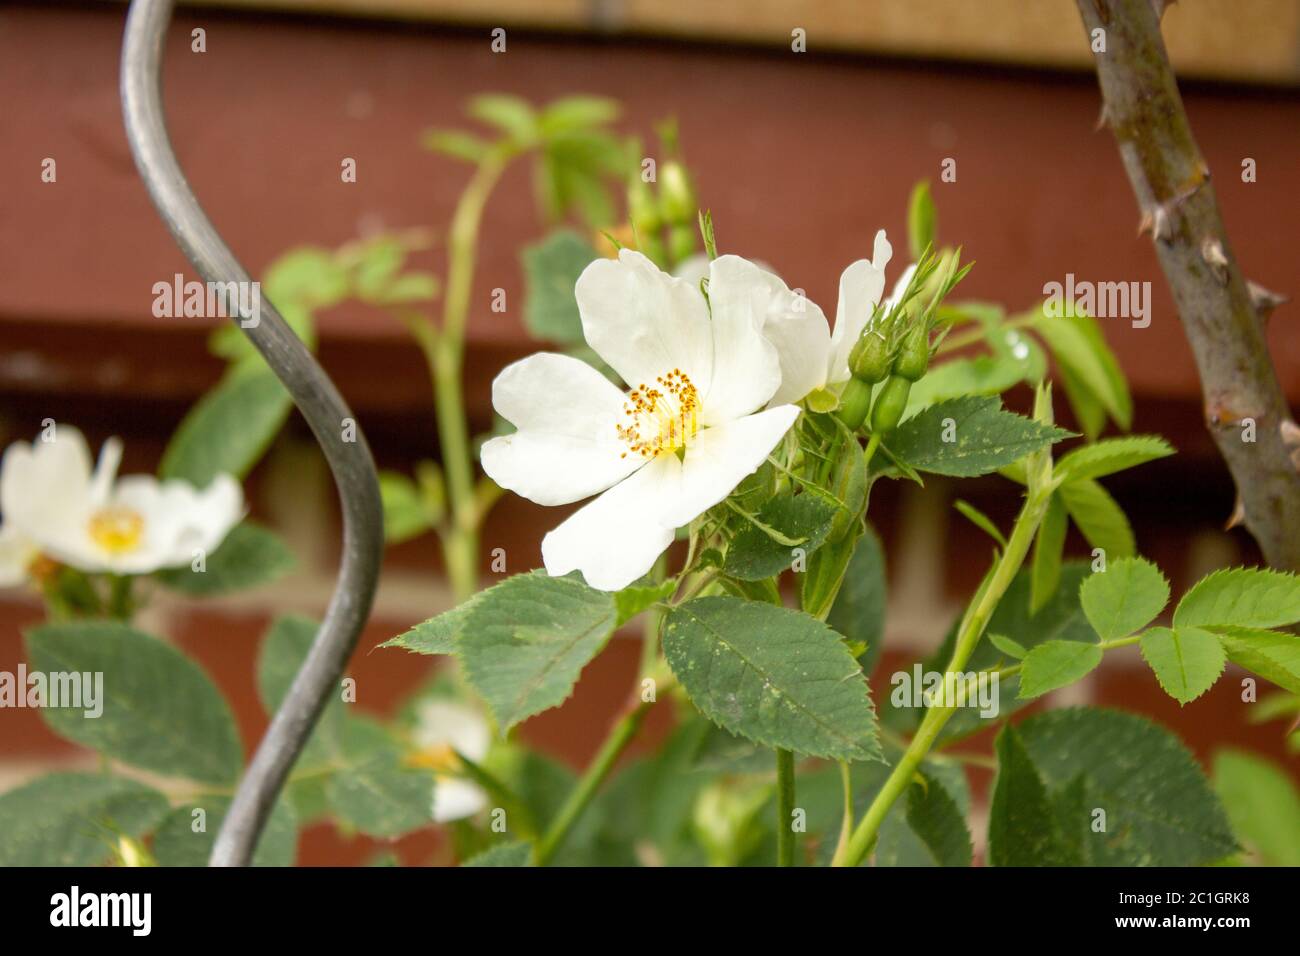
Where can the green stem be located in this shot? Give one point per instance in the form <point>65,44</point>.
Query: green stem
<point>872,444</point>
<point>972,628</point>
<point>650,627</point>
<point>444,352</point>
<point>846,824</point>
<point>619,737</point>
<point>784,808</point>
<point>120,603</point>
<point>855,403</point>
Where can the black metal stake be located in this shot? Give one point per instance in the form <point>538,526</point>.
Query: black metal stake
<point>321,405</point>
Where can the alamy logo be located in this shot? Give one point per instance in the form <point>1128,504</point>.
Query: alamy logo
<point>134,910</point>
<point>1104,300</point>
<point>209,300</point>
<point>921,688</point>
<point>76,690</point>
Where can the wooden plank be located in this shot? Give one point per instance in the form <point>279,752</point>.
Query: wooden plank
<point>1255,41</point>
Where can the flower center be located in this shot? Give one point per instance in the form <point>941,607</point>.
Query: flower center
<point>660,419</point>
<point>117,529</point>
<point>440,758</point>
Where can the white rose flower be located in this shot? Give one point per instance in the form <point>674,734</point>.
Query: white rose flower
<point>675,445</point>
<point>445,729</point>
<point>53,503</point>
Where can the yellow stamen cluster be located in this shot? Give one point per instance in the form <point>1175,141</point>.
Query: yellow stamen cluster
<point>117,529</point>
<point>440,758</point>
<point>660,419</point>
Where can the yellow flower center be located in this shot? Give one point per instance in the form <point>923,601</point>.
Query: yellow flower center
<point>440,758</point>
<point>117,529</point>
<point>660,419</point>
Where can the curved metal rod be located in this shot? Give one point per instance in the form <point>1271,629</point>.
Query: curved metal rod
<point>320,404</point>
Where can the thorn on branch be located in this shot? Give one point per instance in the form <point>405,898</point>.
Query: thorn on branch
<point>1103,118</point>
<point>1155,221</point>
<point>1212,253</point>
<point>1157,218</point>
<point>1291,440</point>
<point>1238,516</point>
<point>1264,300</point>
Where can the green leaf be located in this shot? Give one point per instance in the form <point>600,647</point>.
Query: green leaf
<point>1081,351</point>
<point>160,711</point>
<point>936,818</point>
<point>382,797</point>
<point>1013,649</point>
<point>376,264</point>
<point>551,270</point>
<point>1099,518</point>
<point>1160,810</point>
<point>407,288</point>
<point>1088,410</point>
<point>800,522</point>
<point>1263,805</point>
<point>282,652</point>
<point>1013,345</point>
<point>922,220</point>
<point>406,513</point>
<point>249,556</point>
<point>1024,829</point>
<point>1109,456</point>
<point>457,144</point>
<point>576,112</point>
<point>1124,598</point>
<point>507,854</point>
<point>984,437</point>
<point>1186,660</point>
<point>634,599</point>
<point>526,640</point>
<point>980,375</point>
<point>574,168</point>
<point>1242,597</point>
<point>437,635</point>
<point>229,428</point>
<point>510,114</point>
<point>773,675</point>
<point>1057,664</point>
<point>378,794</point>
<point>310,276</point>
<point>1049,547</point>
<point>1273,655</point>
<point>74,819</point>
<point>178,844</point>
<point>284,648</point>
<point>858,613</point>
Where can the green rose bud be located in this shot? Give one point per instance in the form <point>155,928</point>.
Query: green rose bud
<point>642,208</point>
<point>890,404</point>
<point>869,359</point>
<point>676,198</point>
<point>914,357</point>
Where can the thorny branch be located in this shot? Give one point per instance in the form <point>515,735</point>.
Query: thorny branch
<point>1223,315</point>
